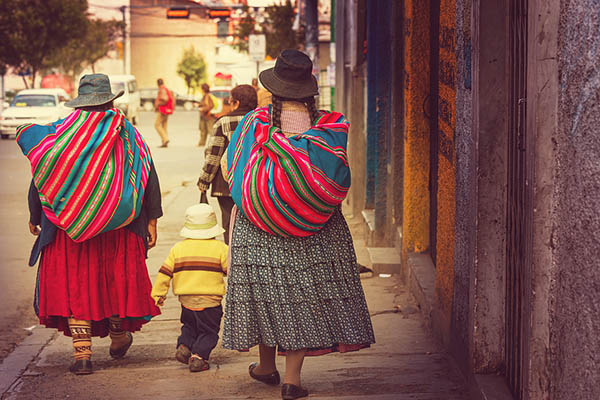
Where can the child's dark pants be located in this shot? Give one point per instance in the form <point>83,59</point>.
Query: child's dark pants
<point>200,330</point>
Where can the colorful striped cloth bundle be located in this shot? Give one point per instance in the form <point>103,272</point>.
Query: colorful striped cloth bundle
<point>90,169</point>
<point>288,186</point>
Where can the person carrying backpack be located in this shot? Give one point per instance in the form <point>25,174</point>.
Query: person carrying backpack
<point>164,106</point>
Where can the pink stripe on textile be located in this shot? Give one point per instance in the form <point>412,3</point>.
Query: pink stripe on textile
<point>92,172</point>
<point>68,157</point>
<point>112,198</point>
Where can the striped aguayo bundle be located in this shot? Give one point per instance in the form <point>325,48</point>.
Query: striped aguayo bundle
<point>288,186</point>
<point>90,169</point>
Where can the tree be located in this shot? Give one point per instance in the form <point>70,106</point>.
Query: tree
<point>277,28</point>
<point>33,30</point>
<point>244,29</point>
<point>192,69</point>
<point>85,51</point>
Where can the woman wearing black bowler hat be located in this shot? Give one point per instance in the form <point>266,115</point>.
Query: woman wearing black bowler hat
<point>293,284</point>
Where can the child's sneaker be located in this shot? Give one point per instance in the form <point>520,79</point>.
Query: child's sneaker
<point>197,364</point>
<point>183,354</point>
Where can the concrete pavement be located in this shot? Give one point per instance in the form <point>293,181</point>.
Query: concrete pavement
<point>405,363</point>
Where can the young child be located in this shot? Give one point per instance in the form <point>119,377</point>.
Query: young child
<point>197,266</point>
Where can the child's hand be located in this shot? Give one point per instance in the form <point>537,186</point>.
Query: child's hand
<point>161,301</point>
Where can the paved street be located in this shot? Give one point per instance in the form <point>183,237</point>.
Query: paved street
<point>405,363</point>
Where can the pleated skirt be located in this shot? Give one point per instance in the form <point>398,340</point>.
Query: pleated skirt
<point>93,280</point>
<point>295,293</point>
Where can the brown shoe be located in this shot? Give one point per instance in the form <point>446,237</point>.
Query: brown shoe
<point>81,367</point>
<point>197,364</point>
<point>183,354</point>
<point>269,379</point>
<point>120,352</point>
<point>291,392</point>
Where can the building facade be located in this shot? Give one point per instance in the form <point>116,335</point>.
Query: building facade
<point>474,155</point>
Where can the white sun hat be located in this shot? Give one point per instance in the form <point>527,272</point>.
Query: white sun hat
<point>200,223</point>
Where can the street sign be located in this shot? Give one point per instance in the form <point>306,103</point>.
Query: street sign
<point>257,47</point>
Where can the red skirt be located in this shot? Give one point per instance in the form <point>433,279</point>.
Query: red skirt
<point>93,280</point>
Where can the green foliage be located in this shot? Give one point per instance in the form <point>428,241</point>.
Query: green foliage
<point>192,69</point>
<point>244,29</point>
<point>80,52</point>
<point>32,31</point>
<point>277,29</point>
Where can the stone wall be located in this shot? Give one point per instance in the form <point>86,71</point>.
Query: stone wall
<point>575,300</point>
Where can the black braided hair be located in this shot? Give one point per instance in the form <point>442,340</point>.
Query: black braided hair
<point>276,111</point>
<point>277,102</point>
<point>312,109</point>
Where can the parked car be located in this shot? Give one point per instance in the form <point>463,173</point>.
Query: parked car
<point>129,103</point>
<point>148,95</point>
<point>185,100</point>
<point>34,106</point>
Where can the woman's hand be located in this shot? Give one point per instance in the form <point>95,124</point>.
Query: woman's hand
<point>34,229</point>
<point>151,233</point>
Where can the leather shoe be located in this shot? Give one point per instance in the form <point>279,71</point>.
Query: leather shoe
<point>197,364</point>
<point>81,367</point>
<point>269,379</point>
<point>183,354</point>
<point>289,391</point>
<point>120,352</point>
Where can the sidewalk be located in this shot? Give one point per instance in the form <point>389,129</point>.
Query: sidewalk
<point>405,363</point>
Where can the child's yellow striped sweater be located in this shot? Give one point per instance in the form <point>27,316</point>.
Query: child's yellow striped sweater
<point>197,268</point>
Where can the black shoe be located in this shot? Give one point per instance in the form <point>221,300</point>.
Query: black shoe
<point>120,353</point>
<point>269,379</point>
<point>81,367</point>
<point>289,391</point>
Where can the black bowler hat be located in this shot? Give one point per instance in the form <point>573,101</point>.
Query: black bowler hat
<point>291,77</point>
<point>94,90</point>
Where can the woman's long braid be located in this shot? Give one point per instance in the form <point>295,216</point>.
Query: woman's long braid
<point>312,109</point>
<point>276,112</point>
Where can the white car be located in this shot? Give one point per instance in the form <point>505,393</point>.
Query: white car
<point>34,106</point>
<point>129,103</point>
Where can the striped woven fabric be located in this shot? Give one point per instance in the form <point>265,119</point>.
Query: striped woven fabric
<point>288,186</point>
<point>90,170</point>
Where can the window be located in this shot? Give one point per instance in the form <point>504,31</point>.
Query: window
<point>132,86</point>
<point>34,100</point>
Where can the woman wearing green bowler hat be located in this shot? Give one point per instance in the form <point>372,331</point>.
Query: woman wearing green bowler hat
<point>94,201</point>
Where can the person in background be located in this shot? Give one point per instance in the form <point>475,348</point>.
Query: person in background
<point>206,106</point>
<point>293,286</point>
<point>95,218</point>
<point>263,95</point>
<point>242,101</point>
<point>196,266</point>
<point>164,105</point>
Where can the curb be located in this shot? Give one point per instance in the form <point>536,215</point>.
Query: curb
<point>16,363</point>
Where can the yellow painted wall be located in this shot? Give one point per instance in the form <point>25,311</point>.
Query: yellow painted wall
<point>415,222</point>
<point>446,165</point>
<point>155,54</point>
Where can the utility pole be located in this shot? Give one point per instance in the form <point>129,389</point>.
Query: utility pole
<point>312,34</point>
<point>123,8</point>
